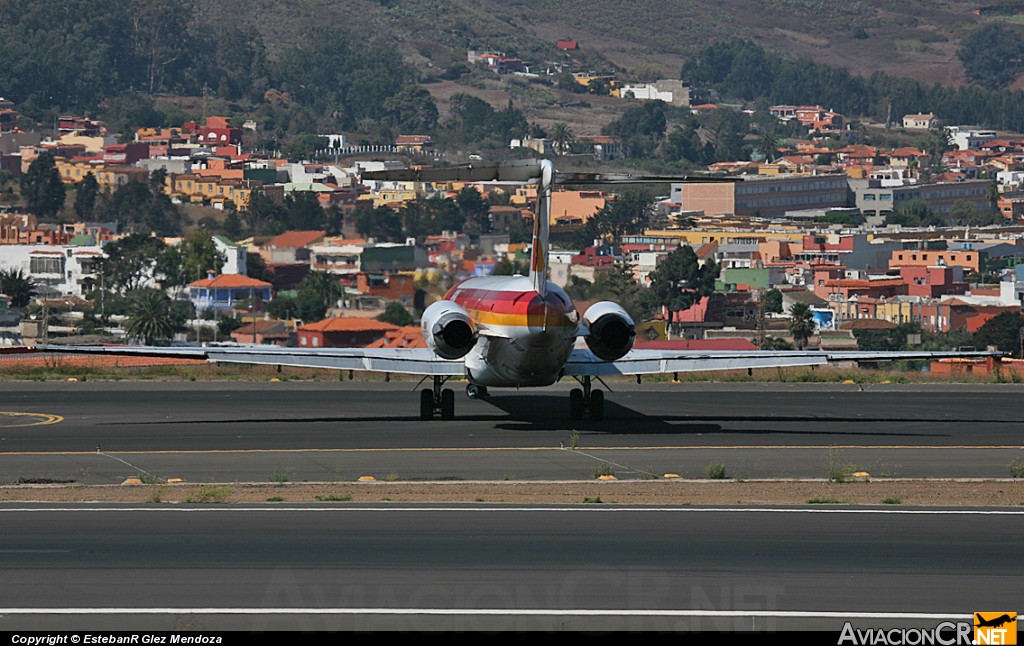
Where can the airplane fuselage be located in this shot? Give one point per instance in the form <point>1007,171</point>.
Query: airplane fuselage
<point>525,337</point>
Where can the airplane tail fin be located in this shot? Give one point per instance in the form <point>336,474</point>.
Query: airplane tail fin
<point>541,228</point>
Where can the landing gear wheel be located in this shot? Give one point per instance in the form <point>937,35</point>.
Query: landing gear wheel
<point>476,392</point>
<point>597,405</point>
<point>447,403</point>
<point>576,403</point>
<point>426,404</point>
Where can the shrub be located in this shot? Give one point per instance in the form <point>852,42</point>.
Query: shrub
<point>715,471</point>
<point>210,494</point>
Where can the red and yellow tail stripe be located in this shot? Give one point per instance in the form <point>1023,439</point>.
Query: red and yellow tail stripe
<point>515,308</point>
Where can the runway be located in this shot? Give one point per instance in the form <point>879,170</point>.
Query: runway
<point>99,433</point>
<point>485,568</point>
<point>478,567</point>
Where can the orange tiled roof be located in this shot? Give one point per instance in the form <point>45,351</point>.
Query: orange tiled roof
<point>409,336</point>
<point>229,281</point>
<point>295,239</point>
<point>348,324</point>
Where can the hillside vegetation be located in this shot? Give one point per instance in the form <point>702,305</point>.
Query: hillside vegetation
<point>916,38</point>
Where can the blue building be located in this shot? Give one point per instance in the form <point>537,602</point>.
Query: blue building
<point>224,292</point>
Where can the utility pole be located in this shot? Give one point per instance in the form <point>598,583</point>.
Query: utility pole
<point>760,323</point>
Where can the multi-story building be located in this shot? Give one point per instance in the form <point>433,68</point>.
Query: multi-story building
<point>765,195</point>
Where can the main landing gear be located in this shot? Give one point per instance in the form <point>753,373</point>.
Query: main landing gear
<point>584,401</point>
<point>437,400</point>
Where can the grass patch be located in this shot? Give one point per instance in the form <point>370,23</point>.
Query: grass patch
<point>592,501</point>
<point>892,501</point>
<point>839,471</point>
<point>603,469</point>
<point>574,440</point>
<point>345,498</point>
<point>157,495</point>
<point>715,471</point>
<point>275,499</point>
<point>1016,469</point>
<point>392,477</point>
<point>280,476</point>
<point>209,495</point>
<point>823,501</point>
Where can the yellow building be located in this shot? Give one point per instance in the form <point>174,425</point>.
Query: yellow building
<point>705,236</point>
<point>108,177</point>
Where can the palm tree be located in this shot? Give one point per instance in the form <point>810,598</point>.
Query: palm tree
<point>152,317</point>
<point>562,138</point>
<point>768,144</point>
<point>18,286</point>
<point>801,324</point>
<point>326,285</point>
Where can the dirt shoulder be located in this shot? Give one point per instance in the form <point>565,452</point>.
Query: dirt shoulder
<point>661,492</point>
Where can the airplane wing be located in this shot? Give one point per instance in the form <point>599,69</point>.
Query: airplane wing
<point>410,361</point>
<point>582,362</point>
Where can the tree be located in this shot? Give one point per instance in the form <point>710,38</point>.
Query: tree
<point>129,262</point>
<point>326,286</point>
<point>42,188</point>
<point>938,142</point>
<point>18,286</point>
<point>412,109</point>
<point>562,138</point>
<point>768,144</point>
<point>620,286</point>
<point>153,317</point>
<point>1003,331</point>
<point>775,343</point>
<point>801,324</point>
<point>506,267</point>
<point>396,314</point>
<point>382,224</point>
<point>629,213</point>
<point>137,207</point>
<point>475,210</point>
<point>964,213</point>
<point>304,211</point>
<point>195,256</point>
<point>680,281</point>
<point>992,55</point>
<point>772,300</point>
<point>915,213</point>
<point>85,197</point>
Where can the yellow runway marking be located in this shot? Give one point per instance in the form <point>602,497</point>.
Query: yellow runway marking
<point>512,448</point>
<point>43,419</point>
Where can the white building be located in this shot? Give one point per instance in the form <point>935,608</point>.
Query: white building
<point>968,138</point>
<point>920,121</point>
<point>670,91</point>
<point>56,270</point>
<point>236,256</point>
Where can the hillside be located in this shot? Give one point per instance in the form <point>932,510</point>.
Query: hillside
<point>914,38</point>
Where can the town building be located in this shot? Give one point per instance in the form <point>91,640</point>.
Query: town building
<point>226,291</point>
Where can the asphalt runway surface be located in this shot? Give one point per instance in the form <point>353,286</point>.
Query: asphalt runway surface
<point>475,567</point>
<point>485,568</point>
<point>100,433</point>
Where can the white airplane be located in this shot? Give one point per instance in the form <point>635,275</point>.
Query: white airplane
<point>516,331</point>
